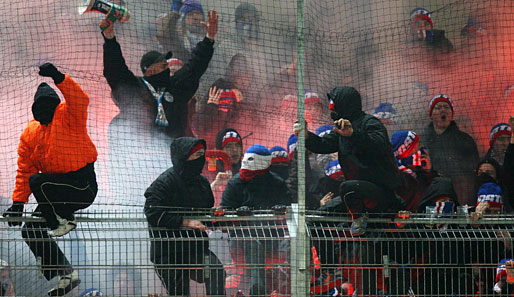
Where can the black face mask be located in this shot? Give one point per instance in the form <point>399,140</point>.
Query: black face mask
<point>43,110</point>
<point>193,168</point>
<point>282,171</point>
<point>159,80</point>
<point>484,178</point>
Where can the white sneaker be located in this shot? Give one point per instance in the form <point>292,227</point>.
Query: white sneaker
<point>65,284</point>
<point>64,227</point>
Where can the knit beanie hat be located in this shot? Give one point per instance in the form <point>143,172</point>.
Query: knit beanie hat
<point>420,13</point>
<point>261,158</point>
<point>196,148</point>
<point>333,169</point>
<point>436,99</point>
<point>324,130</point>
<point>228,98</point>
<point>498,130</point>
<point>174,61</point>
<point>230,136</point>
<point>291,145</point>
<point>188,6</point>
<point>385,112</point>
<point>404,143</point>
<point>279,155</point>
<point>492,193</point>
<point>312,97</point>
<point>91,292</point>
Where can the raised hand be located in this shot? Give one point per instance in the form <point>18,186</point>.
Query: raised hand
<point>212,24</point>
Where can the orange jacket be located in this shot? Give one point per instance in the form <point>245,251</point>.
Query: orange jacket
<point>61,146</point>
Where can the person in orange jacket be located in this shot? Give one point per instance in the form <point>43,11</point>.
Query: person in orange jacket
<point>55,164</point>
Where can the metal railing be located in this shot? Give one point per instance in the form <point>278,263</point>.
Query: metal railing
<point>428,256</point>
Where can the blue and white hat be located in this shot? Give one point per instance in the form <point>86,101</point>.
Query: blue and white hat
<point>492,193</point>
<point>257,157</point>
<point>421,13</point>
<point>333,169</point>
<point>279,155</point>
<point>291,145</point>
<point>324,130</point>
<point>91,292</point>
<point>385,112</point>
<point>436,99</point>
<point>404,143</point>
<point>497,130</point>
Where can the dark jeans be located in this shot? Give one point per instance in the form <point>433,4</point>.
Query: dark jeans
<point>61,194</point>
<point>202,266</point>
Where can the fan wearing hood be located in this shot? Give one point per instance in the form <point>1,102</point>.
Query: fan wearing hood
<point>55,164</point>
<point>364,152</point>
<point>167,96</point>
<point>182,187</point>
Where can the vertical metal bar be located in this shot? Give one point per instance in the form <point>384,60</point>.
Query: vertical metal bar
<point>300,245</point>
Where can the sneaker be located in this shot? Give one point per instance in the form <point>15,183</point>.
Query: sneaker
<point>64,227</point>
<point>359,226</point>
<point>65,284</point>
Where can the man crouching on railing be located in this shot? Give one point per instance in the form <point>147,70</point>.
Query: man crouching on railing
<point>55,163</point>
<point>177,254</point>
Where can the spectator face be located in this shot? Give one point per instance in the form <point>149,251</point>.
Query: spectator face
<point>501,143</point>
<point>313,113</point>
<point>196,155</point>
<point>174,68</point>
<point>488,169</point>
<point>442,115</point>
<point>234,150</point>
<point>420,24</point>
<point>242,81</point>
<point>192,21</point>
<point>156,68</point>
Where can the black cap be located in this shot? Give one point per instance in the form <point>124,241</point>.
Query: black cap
<point>153,56</point>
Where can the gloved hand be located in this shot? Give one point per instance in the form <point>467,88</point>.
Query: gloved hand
<point>15,211</point>
<point>49,70</point>
<point>244,211</point>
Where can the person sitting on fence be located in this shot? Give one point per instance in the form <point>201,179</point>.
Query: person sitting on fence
<point>182,186</point>
<point>415,168</point>
<point>365,155</point>
<point>453,153</point>
<point>255,187</point>
<point>55,164</point>
<point>167,95</point>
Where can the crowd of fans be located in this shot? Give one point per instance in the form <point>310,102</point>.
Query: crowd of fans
<point>352,166</point>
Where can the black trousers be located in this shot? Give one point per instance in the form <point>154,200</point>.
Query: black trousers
<point>198,263</point>
<point>362,196</point>
<point>60,194</point>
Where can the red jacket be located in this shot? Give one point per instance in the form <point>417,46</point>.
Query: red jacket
<point>59,147</point>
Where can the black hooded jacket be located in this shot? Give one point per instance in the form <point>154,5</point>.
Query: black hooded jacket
<point>440,186</point>
<point>46,101</point>
<point>367,154</point>
<point>171,190</point>
<point>262,192</point>
<point>128,89</point>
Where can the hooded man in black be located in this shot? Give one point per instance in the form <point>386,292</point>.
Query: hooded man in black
<point>365,155</point>
<point>182,186</point>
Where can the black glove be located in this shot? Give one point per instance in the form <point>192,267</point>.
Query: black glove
<point>15,211</point>
<point>279,209</point>
<point>49,70</point>
<point>244,211</point>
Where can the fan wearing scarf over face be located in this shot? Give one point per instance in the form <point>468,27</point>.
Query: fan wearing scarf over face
<point>255,186</point>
